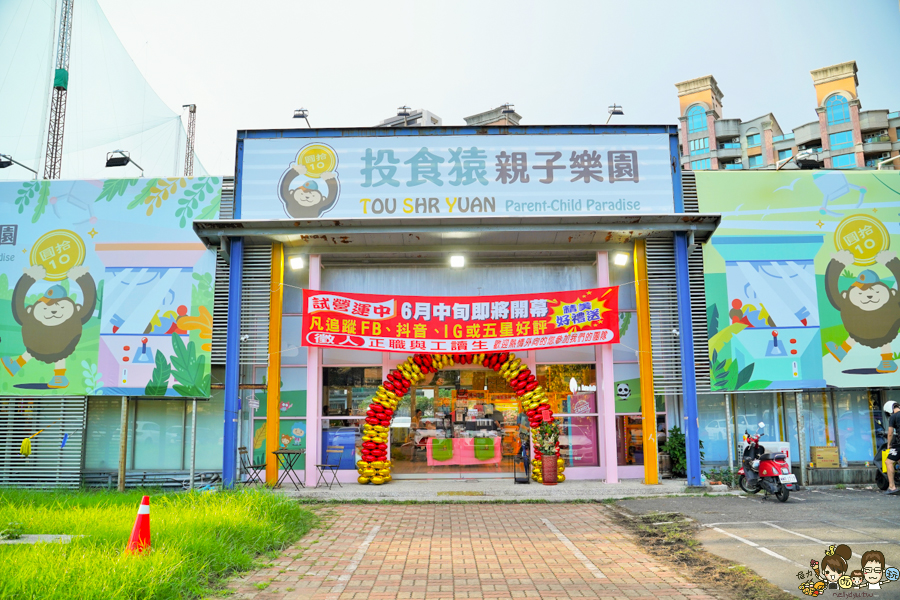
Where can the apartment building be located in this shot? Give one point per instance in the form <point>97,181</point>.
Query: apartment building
<point>842,136</point>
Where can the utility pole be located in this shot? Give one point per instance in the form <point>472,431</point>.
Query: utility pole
<point>53,162</point>
<point>189,150</point>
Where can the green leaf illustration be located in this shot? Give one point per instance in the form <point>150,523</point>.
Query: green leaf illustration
<point>189,369</point>
<point>159,379</point>
<point>744,376</point>
<point>115,187</point>
<point>143,194</point>
<point>43,199</point>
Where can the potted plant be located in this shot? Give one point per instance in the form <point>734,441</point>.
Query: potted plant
<point>546,437</point>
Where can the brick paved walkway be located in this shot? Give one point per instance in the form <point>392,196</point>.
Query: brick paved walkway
<point>467,551</point>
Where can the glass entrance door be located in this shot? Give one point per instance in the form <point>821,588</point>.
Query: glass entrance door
<point>451,426</point>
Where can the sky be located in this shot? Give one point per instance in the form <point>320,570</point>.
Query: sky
<point>248,65</point>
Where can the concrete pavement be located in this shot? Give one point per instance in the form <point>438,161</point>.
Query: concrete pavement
<point>486,490</point>
<point>778,540</point>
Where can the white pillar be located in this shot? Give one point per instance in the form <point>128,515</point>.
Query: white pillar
<point>313,387</point>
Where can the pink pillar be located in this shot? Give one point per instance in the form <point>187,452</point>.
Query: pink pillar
<point>606,389</point>
<point>713,145</point>
<point>823,133</point>
<point>313,387</point>
<point>857,133</point>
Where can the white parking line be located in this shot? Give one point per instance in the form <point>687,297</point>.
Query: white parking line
<point>812,539</point>
<point>574,550</point>
<point>757,546</point>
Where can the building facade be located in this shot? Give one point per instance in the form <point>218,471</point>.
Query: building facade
<point>842,136</point>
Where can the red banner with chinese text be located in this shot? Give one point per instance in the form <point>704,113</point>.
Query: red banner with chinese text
<point>463,324</point>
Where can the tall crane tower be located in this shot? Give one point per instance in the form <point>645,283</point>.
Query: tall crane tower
<point>53,162</point>
<point>189,150</point>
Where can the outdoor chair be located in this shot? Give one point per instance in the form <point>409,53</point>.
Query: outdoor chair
<point>333,456</point>
<point>251,470</point>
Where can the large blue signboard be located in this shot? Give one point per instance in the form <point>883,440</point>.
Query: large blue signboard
<point>448,176</point>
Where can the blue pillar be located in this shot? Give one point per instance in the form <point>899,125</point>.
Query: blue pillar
<point>232,362</point>
<point>686,341</point>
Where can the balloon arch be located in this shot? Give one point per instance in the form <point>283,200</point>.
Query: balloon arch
<point>375,466</point>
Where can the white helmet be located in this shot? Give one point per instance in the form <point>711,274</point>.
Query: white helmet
<point>889,406</point>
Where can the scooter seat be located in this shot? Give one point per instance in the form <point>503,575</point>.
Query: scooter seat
<point>776,456</point>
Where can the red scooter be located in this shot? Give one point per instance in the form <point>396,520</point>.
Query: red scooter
<point>761,471</point>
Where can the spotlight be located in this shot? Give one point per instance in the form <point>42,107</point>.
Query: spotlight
<point>296,262</point>
<point>620,259</point>
<point>457,262</point>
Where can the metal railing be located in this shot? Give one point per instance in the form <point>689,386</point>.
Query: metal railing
<point>782,138</point>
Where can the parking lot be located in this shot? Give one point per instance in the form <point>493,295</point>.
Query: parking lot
<point>778,540</point>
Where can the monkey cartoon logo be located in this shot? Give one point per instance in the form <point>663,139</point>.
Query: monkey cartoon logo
<point>309,200</point>
<point>52,325</point>
<point>870,310</point>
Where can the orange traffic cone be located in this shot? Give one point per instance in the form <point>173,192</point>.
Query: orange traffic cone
<point>140,535</point>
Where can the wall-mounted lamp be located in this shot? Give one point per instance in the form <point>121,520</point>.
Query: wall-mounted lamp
<point>296,262</point>
<point>457,261</point>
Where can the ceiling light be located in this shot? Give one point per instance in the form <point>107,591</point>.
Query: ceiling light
<point>457,262</point>
<point>621,259</point>
<point>296,262</point>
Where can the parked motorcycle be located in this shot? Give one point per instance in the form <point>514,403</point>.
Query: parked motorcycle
<point>761,471</point>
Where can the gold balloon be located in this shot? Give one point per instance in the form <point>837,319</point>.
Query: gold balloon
<point>362,480</point>
<point>369,473</point>
<point>377,480</point>
<point>377,465</point>
<point>560,478</point>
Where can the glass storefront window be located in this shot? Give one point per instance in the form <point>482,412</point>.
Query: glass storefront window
<point>159,434</point>
<point>578,441</point>
<point>713,427</point>
<point>818,419</point>
<point>292,397</point>
<point>348,391</point>
<point>630,440</point>
<point>292,353</point>
<point>101,444</point>
<point>854,411</point>
<point>210,433</point>
<point>752,409</point>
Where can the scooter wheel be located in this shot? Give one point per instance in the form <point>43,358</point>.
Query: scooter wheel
<point>782,494</point>
<point>745,486</point>
<point>881,480</point>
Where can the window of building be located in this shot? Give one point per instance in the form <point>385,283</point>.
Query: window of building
<point>753,140</point>
<point>696,119</point>
<point>782,154</point>
<point>700,146</point>
<point>576,413</point>
<point>755,161</point>
<point>292,413</point>
<point>841,140</point>
<point>844,161</point>
<point>700,165</point>
<point>837,110</point>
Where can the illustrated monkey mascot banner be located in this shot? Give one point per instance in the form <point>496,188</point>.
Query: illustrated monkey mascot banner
<point>52,325</point>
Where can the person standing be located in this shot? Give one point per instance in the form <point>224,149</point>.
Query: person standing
<point>893,438</point>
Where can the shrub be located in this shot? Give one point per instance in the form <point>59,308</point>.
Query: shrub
<point>676,448</point>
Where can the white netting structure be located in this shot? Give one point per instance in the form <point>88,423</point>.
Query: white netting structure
<point>110,104</point>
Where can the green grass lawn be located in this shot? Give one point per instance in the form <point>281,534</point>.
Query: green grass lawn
<point>197,539</point>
